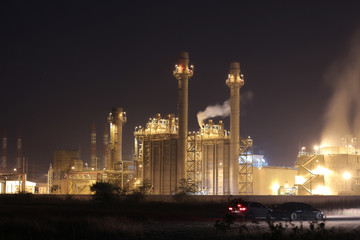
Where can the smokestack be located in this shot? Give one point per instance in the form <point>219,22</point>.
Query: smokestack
<point>4,153</point>
<point>235,81</point>
<point>182,73</point>
<point>18,159</point>
<point>93,162</point>
<point>106,147</point>
<point>117,118</point>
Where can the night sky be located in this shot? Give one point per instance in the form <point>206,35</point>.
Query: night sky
<point>65,65</point>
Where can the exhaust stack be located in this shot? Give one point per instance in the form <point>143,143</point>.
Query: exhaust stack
<point>182,73</point>
<point>235,81</point>
<point>4,153</point>
<point>117,118</point>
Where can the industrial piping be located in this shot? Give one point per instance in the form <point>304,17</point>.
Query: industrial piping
<point>182,73</point>
<point>235,81</point>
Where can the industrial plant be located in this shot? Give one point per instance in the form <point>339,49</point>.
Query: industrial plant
<point>214,160</point>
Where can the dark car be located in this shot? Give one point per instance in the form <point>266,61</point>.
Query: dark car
<point>297,211</point>
<point>250,210</point>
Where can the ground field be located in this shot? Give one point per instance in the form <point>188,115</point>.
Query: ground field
<point>23,217</point>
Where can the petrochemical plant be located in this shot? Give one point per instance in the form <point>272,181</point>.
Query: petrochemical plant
<point>214,160</point>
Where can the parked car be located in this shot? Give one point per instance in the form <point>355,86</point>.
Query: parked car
<point>297,211</point>
<point>250,210</point>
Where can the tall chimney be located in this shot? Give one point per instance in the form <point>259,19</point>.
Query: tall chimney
<point>4,153</point>
<point>106,147</point>
<point>18,159</point>
<point>182,73</point>
<point>93,162</point>
<point>117,118</point>
<point>235,81</point>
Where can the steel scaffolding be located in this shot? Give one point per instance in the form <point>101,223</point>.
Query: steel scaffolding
<point>246,166</point>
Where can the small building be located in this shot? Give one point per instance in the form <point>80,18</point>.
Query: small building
<point>12,187</point>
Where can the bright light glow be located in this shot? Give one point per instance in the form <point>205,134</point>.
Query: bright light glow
<point>275,188</point>
<point>299,180</point>
<point>321,171</point>
<point>286,185</point>
<point>15,169</point>
<point>316,148</point>
<point>230,208</point>
<point>346,175</point>
<point>303,149</point>
<point>321,190</point>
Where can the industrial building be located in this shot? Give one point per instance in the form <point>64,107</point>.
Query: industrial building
<point>217,161</point>
<point>14,180</point>
<point>70,175</point>
<point>329,170</point>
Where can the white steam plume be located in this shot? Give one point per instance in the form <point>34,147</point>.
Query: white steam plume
<point>343,112</point>
<point>220,110</point>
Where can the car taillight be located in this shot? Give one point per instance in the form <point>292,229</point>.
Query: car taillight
<point>239,205</point>
<point>242,209</point>
<point>230,209</point>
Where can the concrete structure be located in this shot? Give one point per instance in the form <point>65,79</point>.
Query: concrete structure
<point>234,82</point>
<point>329,171</point>
<point>117,118</point>
<point>182,73</point>
<point>64,162</point>
<point>270,180</point>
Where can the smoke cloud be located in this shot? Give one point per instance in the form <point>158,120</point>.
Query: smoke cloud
<point>342,117</point>
<point>221,110</point>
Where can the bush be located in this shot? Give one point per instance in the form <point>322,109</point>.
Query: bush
<point>105,191</point>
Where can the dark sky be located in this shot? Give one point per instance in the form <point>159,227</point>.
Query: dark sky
<point>64,65</point>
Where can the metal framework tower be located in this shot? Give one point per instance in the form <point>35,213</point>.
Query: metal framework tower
<point>93,162</point>
<point>193,163</point>
<point>50,179</point>
<point>246,166</point>
<point>4,153</point>
<point>235,81</point>
<point>182,73</point>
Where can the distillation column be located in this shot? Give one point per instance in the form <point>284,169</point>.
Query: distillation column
<point>235,81</point>
<point>182,73</point>
<point>117,118</point>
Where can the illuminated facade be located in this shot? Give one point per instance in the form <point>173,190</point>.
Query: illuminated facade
<point>329,171</point>
<point>270,180</point>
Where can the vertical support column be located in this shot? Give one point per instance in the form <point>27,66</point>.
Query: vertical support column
<point>235,81</point>
<point>182,73</point>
